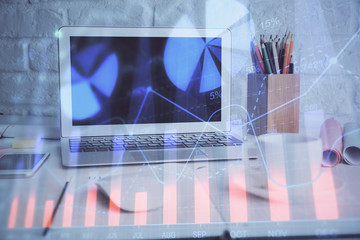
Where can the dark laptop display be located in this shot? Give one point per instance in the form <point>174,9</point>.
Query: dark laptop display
<point>127,80</point>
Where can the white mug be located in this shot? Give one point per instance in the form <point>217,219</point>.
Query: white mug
<point>291,159</point>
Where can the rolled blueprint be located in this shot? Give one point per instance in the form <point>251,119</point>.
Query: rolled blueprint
<point>331,136</point>
<point>352,143</point>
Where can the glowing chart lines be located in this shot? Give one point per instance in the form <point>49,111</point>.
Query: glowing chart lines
<point>281,106</point>
<point>314,83</point>
<point>257,143</point>
<point>260,151</point>
<point>149,89</point>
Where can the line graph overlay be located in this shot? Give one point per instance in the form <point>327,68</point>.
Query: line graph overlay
<point>314,83</point>
<point>149,89</point>
<point>257,143</point>
<point>316,176</point>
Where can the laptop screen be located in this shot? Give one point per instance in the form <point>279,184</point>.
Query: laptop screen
<point>131,80</point>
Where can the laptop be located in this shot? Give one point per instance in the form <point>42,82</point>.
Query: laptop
<point>145,95</point>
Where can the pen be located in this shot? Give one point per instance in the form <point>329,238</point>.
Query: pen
<point>286,56</point>
<point>48,225</point>
<point>258,56</point>
<point>252,53</point>
<point>270,55</point>
<point>266,59</point>
<point>254,49</point>
<point>277,69</point>
<point>282,53</point>
<point>290,52</point>
<point>291,66</point>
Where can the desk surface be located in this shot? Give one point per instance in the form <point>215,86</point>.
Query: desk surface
<point>173,200</point>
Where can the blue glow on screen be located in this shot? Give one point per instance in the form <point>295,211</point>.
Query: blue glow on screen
<point>181,58</point>
<point>111,77</point>
<point>105,77</point>
<point>87,58</point>
<point>85,102</point>
<point>210,77</point>
<point>184,56</point>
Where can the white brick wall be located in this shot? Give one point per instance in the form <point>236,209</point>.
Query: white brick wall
<point>29,64</point>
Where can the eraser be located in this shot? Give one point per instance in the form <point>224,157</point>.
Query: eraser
<point>25,142</point>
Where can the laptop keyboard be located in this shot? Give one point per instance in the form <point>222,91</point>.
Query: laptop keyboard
<point>146,142</point>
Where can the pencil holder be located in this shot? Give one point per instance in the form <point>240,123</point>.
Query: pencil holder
<point>273,103</point>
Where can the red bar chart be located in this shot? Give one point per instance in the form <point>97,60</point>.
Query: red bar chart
<point>30,211</point>
<point>90,210</point>
<point>237,193</point>
<point>201,193</point>
<point>13,212</point>
<point>326,207</point>
<point>68,210</point>
<point>48,210</point>
<point>170,195</point>
<point>199,208</point>
<point>140,215</point>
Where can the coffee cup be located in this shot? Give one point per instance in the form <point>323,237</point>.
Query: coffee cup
<point>291,159</point>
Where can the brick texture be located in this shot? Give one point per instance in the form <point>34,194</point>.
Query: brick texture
<point>29,54</point>
<point>12,56</point>
<point>43,55</point>
<point>19,21</point>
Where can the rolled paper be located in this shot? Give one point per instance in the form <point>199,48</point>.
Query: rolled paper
<point>352,143</point>
<point>331,136</point>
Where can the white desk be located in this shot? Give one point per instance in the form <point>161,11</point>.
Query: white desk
<point>184,200</point>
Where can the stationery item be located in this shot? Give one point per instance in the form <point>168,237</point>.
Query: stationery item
<point>259,57</point>
<point>331,135</point>
<point>276,54</point>
<point>266,59</point>
<point>272,103</point>
<point>286,55</point>
<point>276,60</point>
<point>253,56</point>
<point>351,151</point>
<point>291,67</point>
<point>260,63</point>
<point>268,46</point>
<point>25,142</point>
<point>256,57</point>
<point>277,43</point>
<point>48,225</point>
<point>290,54</point>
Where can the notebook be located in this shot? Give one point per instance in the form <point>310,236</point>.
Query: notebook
<point>144,95</point>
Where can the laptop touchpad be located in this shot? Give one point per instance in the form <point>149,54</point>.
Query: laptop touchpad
<point>172,155</point>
